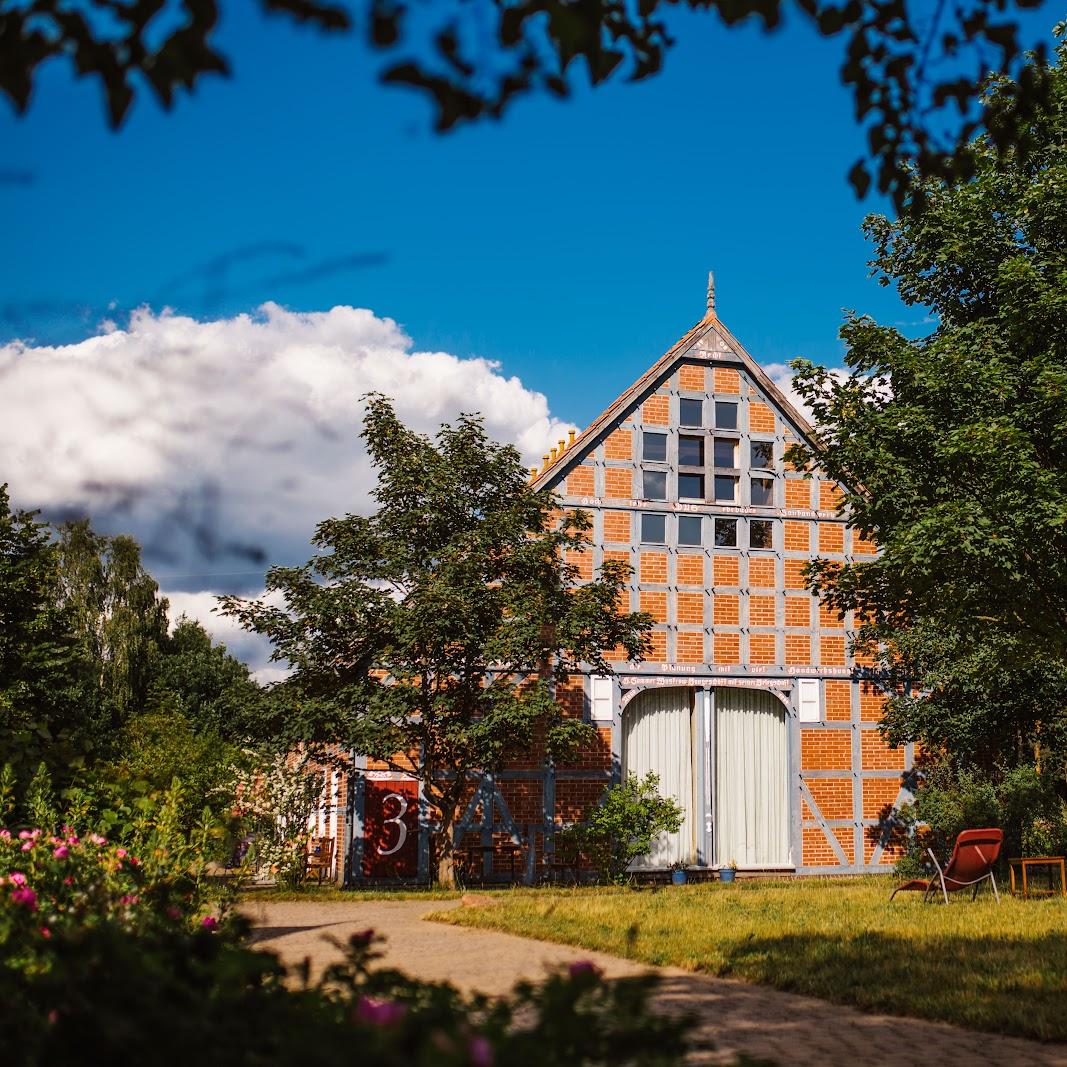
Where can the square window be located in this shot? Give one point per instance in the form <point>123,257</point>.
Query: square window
<point>762,492</point>
<point>654,529</point>
<point>691,412</point>
<point>725,415</point>
<point>726,533</point>
<point>725,452</point>
<point>763,454</point>
<point>725,489</point>
<point>690,486</point>
<point>689,530</point>
<point>654,447</point>
<point>691,451</point>
<point>760,533</point>
<point>655,485</point>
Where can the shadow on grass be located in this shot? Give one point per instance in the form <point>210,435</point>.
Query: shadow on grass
<point>1001,984</point>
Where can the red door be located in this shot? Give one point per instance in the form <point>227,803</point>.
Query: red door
<point>391,829</point>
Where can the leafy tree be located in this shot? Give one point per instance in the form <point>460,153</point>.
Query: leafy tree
<point>213,690</point>
<point>472,60</point>
<point>119,616</point>
<point>955,448</point>
<point>44,677</point>
<point>430,634</point>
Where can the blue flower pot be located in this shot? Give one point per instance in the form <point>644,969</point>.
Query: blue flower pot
<point>679,877</point>
<point>727,874</point>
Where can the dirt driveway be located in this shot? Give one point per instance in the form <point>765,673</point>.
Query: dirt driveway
<point>736,1016</point>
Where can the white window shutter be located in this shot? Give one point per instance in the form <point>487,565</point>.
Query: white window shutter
<point>600,701</point>
<point>809,701</point>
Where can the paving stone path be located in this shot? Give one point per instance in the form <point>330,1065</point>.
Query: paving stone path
<point>736,1016</point>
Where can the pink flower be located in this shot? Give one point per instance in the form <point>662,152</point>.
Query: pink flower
<point>580,967</point>
<point>121,853</point>
<point>380,1012</point>
<point>480,1051</point>
<point>134,861</point>
<point>24,835</point>
<point>68,880</point>
<point>18,878</point>
<point>45,932</point>
<point>129,899</point>
<point>27,846</point>
<point>5,835</point>
<point>25,895</point>
<point>96,839</point>
<point>209,922</point>
<point>61,853</point>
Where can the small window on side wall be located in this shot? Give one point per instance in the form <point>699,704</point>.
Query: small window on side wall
<point>725,452</point>
<point>725,415</point>
<point>725,489</point>
<point>762,456</point>
<point>726,533</point>
<point>691,412</point>
<point>654,529</point>
<point>762,492</point>
<point>760,533</point>
<point>654,447</point>
<point>689,530</point>
<point>655,485</point>
<point>690,486</point>
<point>690,451</point>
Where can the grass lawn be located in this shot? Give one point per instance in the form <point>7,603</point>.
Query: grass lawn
<point>978,965</point>
<point>331,892</point>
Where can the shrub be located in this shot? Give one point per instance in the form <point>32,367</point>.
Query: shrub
<point>172,996</point>
<point>622,827</point>
<point>1022,802</point>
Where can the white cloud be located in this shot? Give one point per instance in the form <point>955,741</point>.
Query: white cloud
<point>782,376</point>
<point>212,441</point>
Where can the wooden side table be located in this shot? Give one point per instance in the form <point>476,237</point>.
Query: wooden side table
<point>1027,863</point>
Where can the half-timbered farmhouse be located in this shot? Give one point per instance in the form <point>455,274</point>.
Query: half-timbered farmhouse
<point>750,707</point>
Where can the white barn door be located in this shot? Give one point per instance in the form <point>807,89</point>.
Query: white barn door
<point>751,779</point>
<point>658,735</point>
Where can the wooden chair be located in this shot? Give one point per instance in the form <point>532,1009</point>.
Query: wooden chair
<point>319,859</point>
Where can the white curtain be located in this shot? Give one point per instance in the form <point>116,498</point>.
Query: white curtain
<point>658,727</point>
<point>751,779</point>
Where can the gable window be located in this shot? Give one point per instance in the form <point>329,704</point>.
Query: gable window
<point>691,451</point>
<point>725,452</point>
<point>655,484</point>
<point>654,529</point>
<point>762,455</point>
<point>725,489</point>
<point>762,492</point>
<point>691,412</point>
<point>690,530</point>
<point>690,486</point>
<point>654,447</point>
<point>725,415</point>
<point>726,533</point>
<point>760,533</point>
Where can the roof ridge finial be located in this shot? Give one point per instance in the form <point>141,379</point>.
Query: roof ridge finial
<point>711,293</point>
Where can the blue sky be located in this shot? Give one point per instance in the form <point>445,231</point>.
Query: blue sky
<point>569,241</point>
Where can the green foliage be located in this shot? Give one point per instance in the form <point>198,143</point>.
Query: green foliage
<point>44,676</point>
<point>210,689</point>
<point>906,73</point>
<point>955,449</point>
<point>622,827</point>
<point>432,631</point>
<point>118,615</point>
<point>167,994</point>
<point>1022,802</point>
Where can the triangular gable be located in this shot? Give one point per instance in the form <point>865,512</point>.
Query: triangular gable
<point>710,342</point>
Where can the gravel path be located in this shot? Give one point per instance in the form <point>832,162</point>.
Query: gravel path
<point>735,1016</point>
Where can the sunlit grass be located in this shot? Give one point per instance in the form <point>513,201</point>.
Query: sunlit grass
<point>975,964</point>
<point>332,893</point>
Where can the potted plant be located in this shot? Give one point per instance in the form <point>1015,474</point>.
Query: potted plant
<point>729,872</point>
<point>678,873</point>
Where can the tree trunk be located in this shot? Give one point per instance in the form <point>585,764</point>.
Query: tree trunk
<point>445,855</point>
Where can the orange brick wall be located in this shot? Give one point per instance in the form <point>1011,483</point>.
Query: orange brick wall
<point>619,445</point>
<point>833,796</point>
<point>826,750</point>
